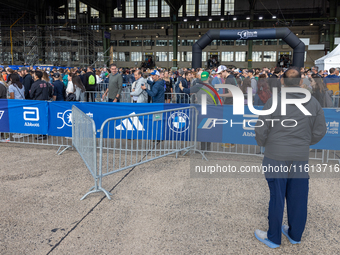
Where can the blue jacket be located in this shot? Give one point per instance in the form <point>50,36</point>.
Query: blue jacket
<point>157,91</point>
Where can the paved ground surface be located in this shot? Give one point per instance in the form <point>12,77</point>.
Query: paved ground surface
<point>156,208</point>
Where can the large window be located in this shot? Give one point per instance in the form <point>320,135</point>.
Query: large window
<point>161,42</point>
<point>240,56</point>
<point>165,9</point>
<point>94,13</point>
<point>129,8</point>
<point>228,56</point>
<point>124,56</point>
<point>256,56</point>
<point>171,54</point>
<point>149,43</point>
<point>136,43</point>
<point>115,56</point>
<point>117,14</point>
<point>229,7</point>
<point>202,8</point>
<point>215,43</point>
<point>124,43</point>
<point>187,42</point>
<point>161,56</point>
<point>282,42</point>
<point>190,5</point>
<point>204,56</point>
<point>136,56</point>
<point>82,7</point>
<point>180,12</point>
<point>227,42</point>
<point>269,56</point>
<point>72,9</point>
<point>171,42</point>
<point>216,7</point>
<point>153,11</point>
<point>257,42</point>
<point>65,56</point>
<point>141,9</point>
<point>270,42</point>
<point>241,42</point>
<point>113,43</point>
<point>187,56</point>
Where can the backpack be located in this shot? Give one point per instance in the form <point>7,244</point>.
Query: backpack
<point>92,80</point>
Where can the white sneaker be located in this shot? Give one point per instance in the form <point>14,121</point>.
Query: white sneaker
<point>262,237</point>
<point>285,232</point>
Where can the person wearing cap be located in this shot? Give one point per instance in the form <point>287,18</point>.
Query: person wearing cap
<point>27,81</point>
<point>220,78</point>
<point>157,88</point>
<point>253,81</point>
<point>59,88</point>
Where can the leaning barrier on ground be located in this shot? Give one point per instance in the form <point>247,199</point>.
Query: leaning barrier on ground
<point>131,140</point>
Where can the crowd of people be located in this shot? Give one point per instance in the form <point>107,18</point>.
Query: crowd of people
<point>158,85</point>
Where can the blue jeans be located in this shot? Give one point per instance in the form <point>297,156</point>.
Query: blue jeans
<point>292,187</point>
<point>111,100</point>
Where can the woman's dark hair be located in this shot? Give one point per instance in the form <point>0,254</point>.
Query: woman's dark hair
<point>246,84</point>
<point>16,80</point>
<point>319,85</point>
<point>78,83</point>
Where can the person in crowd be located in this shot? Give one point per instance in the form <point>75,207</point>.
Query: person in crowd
<point>65,77</point>
<point>180,79</point>
<point>27,80</point>
<point>318,89</point>
<point>90,83</point>
<point>274,80</point>
<point>78,88</point>
<point>168,87</point>
<point>245,85</point>
<point>138,94</point>
<point>157,88</point>
<point>59,88</point>
<point>3,88</point>
<point>263,91</point>
<point>253,81</point>
<point>332,82</point>
<point>98,78</point>
<point>40,89</point>
<point>220,78</point>
<point>288,148</point>
<point>16,89</point>
<point>115,85</point>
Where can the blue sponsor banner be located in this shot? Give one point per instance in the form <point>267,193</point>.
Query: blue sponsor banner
<point>60,121</point>
<point>239,129</point>
<point>331,141</point>
<point>4,116</point>
<point>178,125</point>
<point>28,116</point>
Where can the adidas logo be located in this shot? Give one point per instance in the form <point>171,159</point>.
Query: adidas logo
<point>131,124</point>
<point>1,114</point>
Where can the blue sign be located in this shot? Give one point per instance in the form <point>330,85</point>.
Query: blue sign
<point>4,116</point>
<point>28,116</point>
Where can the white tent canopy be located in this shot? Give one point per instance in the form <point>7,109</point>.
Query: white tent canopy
<point>332,59</point>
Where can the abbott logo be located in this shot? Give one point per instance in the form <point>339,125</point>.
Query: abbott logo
<point>32,114</point>
<point>131,124</point>
<point>1,114</point>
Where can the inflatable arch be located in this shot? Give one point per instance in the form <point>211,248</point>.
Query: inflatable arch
<point>251,34</point>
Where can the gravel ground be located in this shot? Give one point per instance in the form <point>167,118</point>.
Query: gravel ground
<point>156,208</point>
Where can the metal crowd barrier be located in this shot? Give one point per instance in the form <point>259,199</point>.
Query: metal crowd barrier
<point>85,141</point>
<point>251,150</point>
<point>63,142</point>
<point>132,140</point>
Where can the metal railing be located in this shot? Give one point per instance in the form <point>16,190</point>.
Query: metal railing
<point>132,140</point>
<point>64,143</point>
